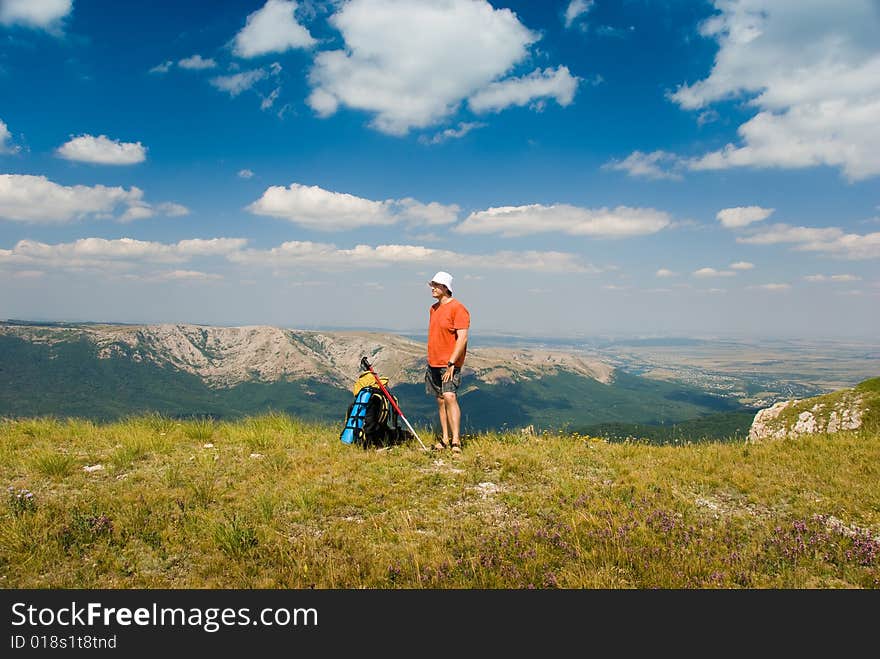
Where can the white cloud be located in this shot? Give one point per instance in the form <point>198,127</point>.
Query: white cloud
<point>121,253</point>
<point>432,214</point>
<point>742,265</point>
<point>315,208</point>
<point>619,222</point>
<point>137,212</point>
<point>647,165</point>
<point>268,101</point>
<point>829,240</point>
<point>451,133</point>
<point>142,211</point>
<point>36,199</point>
<point>740,216</point>
<point>553,83</point>
<point>833,278</point>
<point>164,67</point>
<point>575,9</point>
<point>812,71</point>
<point>5,139</point>
<point>102,150</point>
<point>26,198</point>
<point>299,253</point>
<point>272,29</point>
<point>196,63</point>
<point>236,83</point>
<point>245,173</point>
<point>412,64</point>
<point>45,14</point>
<point>712,272</point>
<point>172,209</point>
<point>663,272</point>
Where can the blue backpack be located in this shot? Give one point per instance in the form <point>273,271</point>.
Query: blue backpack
<point>372,421</point>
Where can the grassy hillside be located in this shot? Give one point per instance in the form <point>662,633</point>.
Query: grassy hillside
<point>276,502</point>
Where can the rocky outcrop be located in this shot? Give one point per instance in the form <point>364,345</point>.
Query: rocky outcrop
<point>226,356</point>
<point>846,409</point>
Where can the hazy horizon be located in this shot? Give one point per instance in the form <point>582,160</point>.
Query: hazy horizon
<point>481,334</point>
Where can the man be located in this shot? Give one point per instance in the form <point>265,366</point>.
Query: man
<point>448,325</point>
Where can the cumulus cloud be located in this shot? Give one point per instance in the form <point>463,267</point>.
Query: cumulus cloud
<point>550,83</point>
<point>41,14</point>
<point>647,165</point>
<point>812,72</point>
<point>664,272</point>
<point>138,211</point>
<point>742,265</point>
<point>432,214</point>
<point>6,145</point>
<point>196,62</point>
<point>411,64</point>
<point>272,29</point>
<point>829,240</point>
<point>576,9</point>
<point>620,222</point>
<point>121,253</point>
<point>102,150</point>
<point>245,173</point>
<point>36,199</point>
<point>315,208</point>
<point>26,198</point>
<point>741,216</point>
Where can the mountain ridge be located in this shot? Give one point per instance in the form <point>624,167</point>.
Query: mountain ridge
<point>109,371</point>
<point>227,356</point>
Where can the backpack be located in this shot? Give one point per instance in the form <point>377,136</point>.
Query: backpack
<point>372,421</point>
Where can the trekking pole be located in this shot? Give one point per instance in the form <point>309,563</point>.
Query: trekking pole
<point>365,365</point>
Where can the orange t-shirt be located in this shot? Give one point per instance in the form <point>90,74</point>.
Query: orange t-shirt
<point>445,319</point>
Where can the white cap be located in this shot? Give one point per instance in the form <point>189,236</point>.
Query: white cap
<point>443,278</point>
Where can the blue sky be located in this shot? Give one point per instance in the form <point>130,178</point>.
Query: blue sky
<point>581,168</point>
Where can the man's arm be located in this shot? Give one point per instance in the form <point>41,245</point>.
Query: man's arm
<point>460,344</point>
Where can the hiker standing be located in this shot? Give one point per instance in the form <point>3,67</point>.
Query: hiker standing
<point>447,344</point>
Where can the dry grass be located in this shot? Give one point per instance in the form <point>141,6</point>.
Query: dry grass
<point>273,502</point>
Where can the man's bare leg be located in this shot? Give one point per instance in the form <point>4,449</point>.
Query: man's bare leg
<point>444,424</point>
<point>453,416</point>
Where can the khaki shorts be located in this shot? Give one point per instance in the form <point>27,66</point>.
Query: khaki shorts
<point>434,385</point>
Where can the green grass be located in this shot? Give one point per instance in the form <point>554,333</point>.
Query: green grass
<point>278,502</point>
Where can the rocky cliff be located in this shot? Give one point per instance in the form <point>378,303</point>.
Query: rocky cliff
<point>846,409</point>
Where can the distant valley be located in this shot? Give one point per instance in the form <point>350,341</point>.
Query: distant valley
<point>654,389</point>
